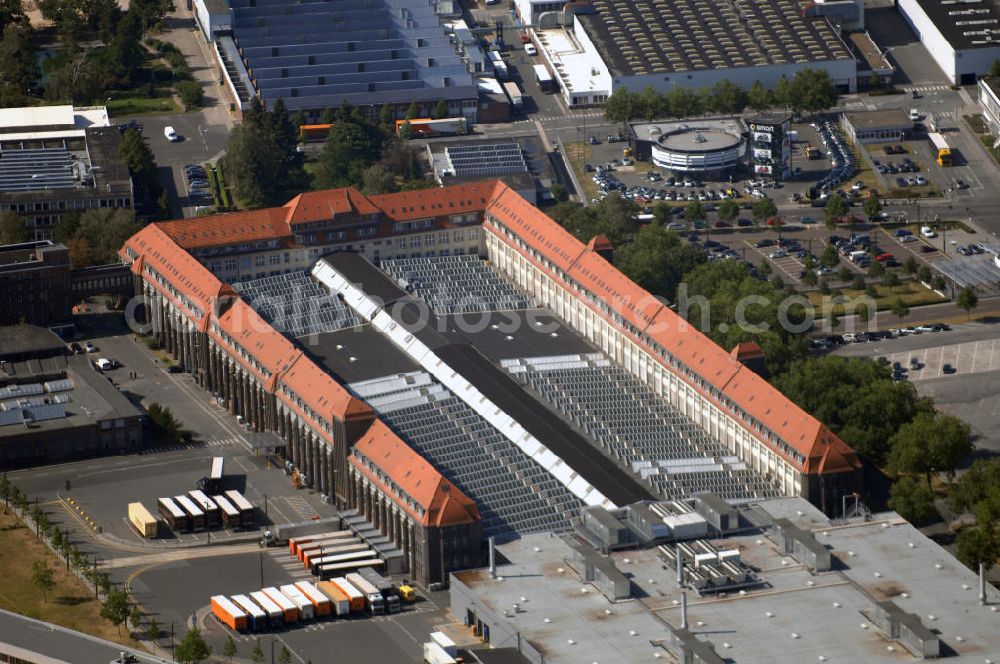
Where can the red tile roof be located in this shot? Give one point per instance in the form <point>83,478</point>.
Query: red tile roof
<point>320,391</point>
<point>326,204</point>
<point>747,350</point>
<point>228,228</point>
<point>822,449</point>
<point>443,503</point>
<point>436,202</point>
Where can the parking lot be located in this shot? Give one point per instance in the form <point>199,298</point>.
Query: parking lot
<point>972,392</point>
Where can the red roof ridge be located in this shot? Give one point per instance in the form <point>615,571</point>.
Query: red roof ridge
<point>443,503</point>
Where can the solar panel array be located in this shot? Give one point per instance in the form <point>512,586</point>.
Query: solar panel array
<point>514,494</point>
<point>455,284</point>
<point>316,54</point>
<point>979,272</point>
<point>33,169</point>
<point>638,428</point>
<point>485,160</point>
<point>659,36</point>
<point>296,305</point>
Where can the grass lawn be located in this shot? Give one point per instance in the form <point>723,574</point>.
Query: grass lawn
<point>136,104</point>
<point>579,154</point>
<point>70,604</point>
<point>914,294</point>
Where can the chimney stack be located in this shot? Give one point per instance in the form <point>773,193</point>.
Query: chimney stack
<point>493,558</point>
<point>982,584</point>
<point>684,610</point>
<point>680,567</point>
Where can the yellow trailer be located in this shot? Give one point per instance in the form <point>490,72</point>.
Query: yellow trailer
<point>142,520</point>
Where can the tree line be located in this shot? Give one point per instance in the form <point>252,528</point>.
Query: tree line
<point>266,168</point>
<point>810,90</point>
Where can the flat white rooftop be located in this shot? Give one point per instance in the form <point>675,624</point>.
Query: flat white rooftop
<point>579,69</point>
<point>52,116</point>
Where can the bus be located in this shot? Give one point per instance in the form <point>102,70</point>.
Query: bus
<point>176,518</point>
<point>193,511</point>
<point>243,505</point>
<point>942,148</point>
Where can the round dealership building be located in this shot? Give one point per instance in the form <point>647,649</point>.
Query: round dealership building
<point>706,148</point>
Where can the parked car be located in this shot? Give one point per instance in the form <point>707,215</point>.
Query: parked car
<point>530,49</point>
<point>76,348</point>
<point>90,347</point>
<point>170,134</point>
<point>947,368</point>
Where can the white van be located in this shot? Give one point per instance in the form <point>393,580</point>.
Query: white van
<point>170,134</point>
<point>914,115</point>
<point>927,231</point>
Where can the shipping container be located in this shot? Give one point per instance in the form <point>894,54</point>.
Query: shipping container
<point>435,654</point>
<point>228,613</point>
<point>335,549</point>
<point>176,518</point>
<point>306,609</point>
<point>256,616</point>
<point>288,608</point>
<point>243,505</point>
<point>312,549</point>
<point>373,598</point>
<point>193,511</point>
<point>142,520</point>
<point>213,483</point>
<point>230,515</point>
<point>208,506</point>
<point>356,598</point>
<point>320,602</point>
<point>445,642</point>
<point>295,544</point>
<point>314,133</point>
<point>514,94</point>
<point>339,569</point>
<point>435,127</point>
<point>274,613</point>
<point>332,559</point>
<point>339,600</point>
<point>544,78</point>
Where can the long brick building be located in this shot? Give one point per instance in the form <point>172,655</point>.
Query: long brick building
<point>200,282</point>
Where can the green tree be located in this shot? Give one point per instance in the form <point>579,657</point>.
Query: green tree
<point>377,179</point>
<point>913,500</point>
<point>729,210</point>
<point>872,207</point>
<point>153,631</point>
<point>972,487</point>
<point>682,102</point>
<point>285,656</point>
<point>413,112</point>
<point>810,278</point>
<point>727,97</point>
<point>191,93</point>
<point>876,270</point>
<point>18,64</point>
<point>856,398</point>
<point>650,104</point>
<point>135,617</point>
<point>350,148</point>
<point>386,116</point>
<point>99,234</point>
<point>967,300</point>
<point>694,213</point>
<point>784,95</point>
<point>763,210</point>
<point>192,649</point>
<point>440,109</point>
<point>657,260</point>
<point>890,279</point>
<point>11,11</point>
<point>257,656</point>
<point>899,308</point>
<point>138,157</point>
<point>812,90</point>
<point>559,193</point>
<point>930,443</point>
<point>620,106</point>
<point>229,649</point>
<point>910,265</point>
<point>124,54</point>
<point>115,608</point>
<point>829,256</point>
<point>924,274</point>
<point>759,98</point>
<point>979,544</point>
<point>938,283</point>
<point>42,577</point>
<point>994,71</point>
<point>13,228</point>
<point>835,210</point>
<point>864,313</point>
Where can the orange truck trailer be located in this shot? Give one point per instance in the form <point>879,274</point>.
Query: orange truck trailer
<point>321,602</point>
<point>357,598</point>
<point>228,613</point>
<point>339,600</point>
<point>288,607</point>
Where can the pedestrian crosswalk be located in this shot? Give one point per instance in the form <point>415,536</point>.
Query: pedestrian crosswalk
<point>301,507</point>
<point>927,87</point>
<point>177,447</point>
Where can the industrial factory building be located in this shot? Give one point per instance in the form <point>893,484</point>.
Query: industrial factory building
<point>463,326</point>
